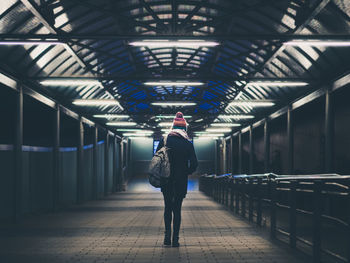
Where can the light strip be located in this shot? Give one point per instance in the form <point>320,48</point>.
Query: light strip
<point>252,103</point>
<point>208,137</point>
<point>67,82</point>
<point>209,134</point>
<point>137,134</point>
<point>173,83</point>
<point>180,103</point>
<point>135,130</point>
<point>218,130</point>
<point>179,43</point>
<point>212,134</point>
<point>96,102</point>
<point>22,43</point>
<point>165,124</point>
<point>278,83</point>
<point>171,116</point>
<point>111,116</point>
<point>237,116</point>
<point>121,123</point>
<point>225,124</point>
<point>302,43</point>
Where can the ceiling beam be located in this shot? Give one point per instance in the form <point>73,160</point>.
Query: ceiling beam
<point>321,4</point>
<point>69,36</point>
<point>34,9</point>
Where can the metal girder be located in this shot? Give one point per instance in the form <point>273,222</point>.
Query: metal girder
<point>33,8</point>
<point>214,37</point>
<point>296,32</point>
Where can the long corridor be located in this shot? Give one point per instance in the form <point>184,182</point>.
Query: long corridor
<point>128,227</point>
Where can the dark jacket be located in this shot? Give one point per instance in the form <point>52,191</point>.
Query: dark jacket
<point>183,162</point>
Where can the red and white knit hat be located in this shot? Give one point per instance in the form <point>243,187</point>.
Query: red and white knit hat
<point>179,121</point>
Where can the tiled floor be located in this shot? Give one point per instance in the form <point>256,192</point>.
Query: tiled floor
<point>128,227</point>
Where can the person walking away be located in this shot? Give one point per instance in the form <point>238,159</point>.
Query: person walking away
<point>183,162</point>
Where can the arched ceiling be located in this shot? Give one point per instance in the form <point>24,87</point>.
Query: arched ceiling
<point>91,40</point>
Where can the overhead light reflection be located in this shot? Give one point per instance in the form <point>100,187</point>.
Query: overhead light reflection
<point>173,83</point>
<point>179,43</point>
<point>305,43</point>
<point>180,103</point>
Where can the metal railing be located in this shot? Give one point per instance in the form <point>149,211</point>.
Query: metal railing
<point>311,213</point>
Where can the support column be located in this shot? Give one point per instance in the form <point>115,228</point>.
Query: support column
<point>240,152</point>
<point>106,184</point>
<point>121,170</point>
<point>94,161</point>
<point>18,162</point>
<point>216,157</point>
<point>80,164</point>
<point>231,154</point>
<point>290,139</point>
<point>266,146</point>
<point>56,159</point>
<point>115,167</point>
<point>251,150</point>
<point>224,156</point>
<point>329,133</point>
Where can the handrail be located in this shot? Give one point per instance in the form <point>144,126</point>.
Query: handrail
<point>257,195</point>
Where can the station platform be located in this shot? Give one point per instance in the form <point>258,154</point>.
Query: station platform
<point>128,227</point>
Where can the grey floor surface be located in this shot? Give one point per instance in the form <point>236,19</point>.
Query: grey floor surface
<point>128,227</point>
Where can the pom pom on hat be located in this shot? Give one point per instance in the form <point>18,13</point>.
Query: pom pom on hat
<point>179,121</point>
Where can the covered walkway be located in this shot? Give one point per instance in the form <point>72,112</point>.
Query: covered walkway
<point>128,227</point>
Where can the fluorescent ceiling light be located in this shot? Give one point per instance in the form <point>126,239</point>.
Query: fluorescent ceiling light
<point>135,130</point>
<point>199,120</point>
<point>225,124</point>
<point>165,130</point>
<point>22,43</point>
<point>180,103</point>
<point>173,83</point>
<point>301,43</point>
<point>209,134</point>
<point>111,116</point>
<point>207,137</point>
<point>96,102</point>
<point>236,116</point>
<point>67,82</point>
<point>179,43</point>
<point>218,130</point>
<point>279,83</point>
<point>252,103</point>
<point>121,123</point>
<point>136,134</point>
<point>165,124</point>
<point>171,116</point>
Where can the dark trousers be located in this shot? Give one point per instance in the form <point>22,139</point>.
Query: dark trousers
<point>173,203</point>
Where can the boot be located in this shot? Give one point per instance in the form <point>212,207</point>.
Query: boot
<point>175,241</point>
<point>167,238</point>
